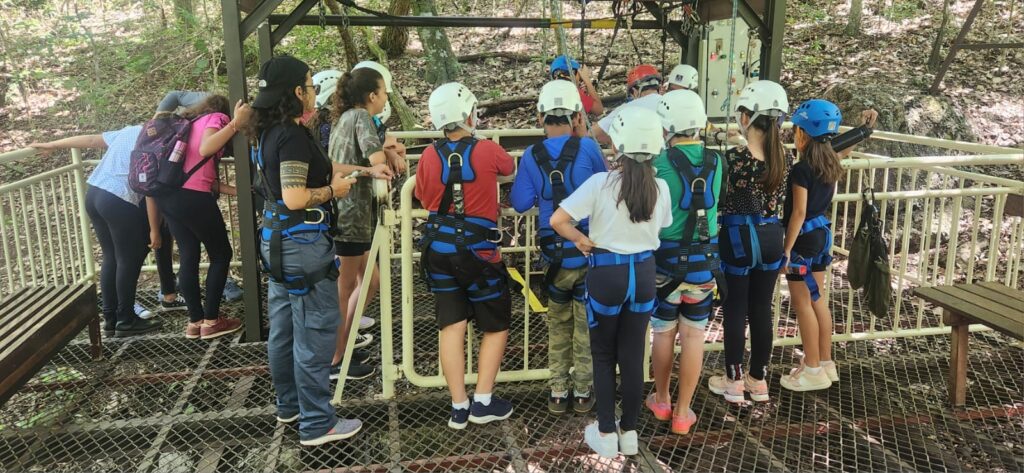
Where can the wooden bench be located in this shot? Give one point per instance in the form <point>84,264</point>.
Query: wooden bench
<point>987,303</point>
<point>36,322</point>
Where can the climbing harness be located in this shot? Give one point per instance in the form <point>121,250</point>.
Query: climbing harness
<point>453,231</point>
<point>304,226</point>
<point>601,258</point>
<point>695,258</point>
<point>803,266</point>
<point>557,176</point>
<point>732,223</point>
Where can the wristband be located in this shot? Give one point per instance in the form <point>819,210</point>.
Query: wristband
<point>233,127</point>
<point>332,190</point>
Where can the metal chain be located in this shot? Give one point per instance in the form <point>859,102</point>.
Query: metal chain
<point>322,16</point>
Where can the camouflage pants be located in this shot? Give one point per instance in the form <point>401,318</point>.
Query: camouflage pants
<point>569,337</point>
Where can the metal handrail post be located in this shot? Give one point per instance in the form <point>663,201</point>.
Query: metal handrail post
<point>83,218</point>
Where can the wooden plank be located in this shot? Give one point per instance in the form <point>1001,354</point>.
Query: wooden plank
<point>1002,289</point>
<point>1012,307</point>
<point>15,315</point>
<point>1000,319</point>
<point>44,312</point>
<point>939,297</point>
<point>958,364</point>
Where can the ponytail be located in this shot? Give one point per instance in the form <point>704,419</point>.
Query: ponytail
<point>638,189</point>
<point>354,89</point>
<point>774,152</point>
<point>823,160</point>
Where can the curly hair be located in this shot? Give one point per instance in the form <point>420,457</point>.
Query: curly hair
<point>287,108</point>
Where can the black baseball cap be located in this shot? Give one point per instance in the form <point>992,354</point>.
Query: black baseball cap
<point>279,75</point>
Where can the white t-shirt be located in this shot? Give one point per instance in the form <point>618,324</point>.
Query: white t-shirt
<point>111,174</point>
<point>610,226</point>
<point>649,102</point>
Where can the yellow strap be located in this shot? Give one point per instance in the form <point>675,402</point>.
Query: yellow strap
<point>535,305</point>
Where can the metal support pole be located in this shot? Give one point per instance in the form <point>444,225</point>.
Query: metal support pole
<point>83,219</point>
<point>960,37</point>
<point>771,50</point>
<point>258,16</point>
<point>251,297</point>
<point>266,45</point>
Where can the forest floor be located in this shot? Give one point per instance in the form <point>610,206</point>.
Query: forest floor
<point>74,68</point>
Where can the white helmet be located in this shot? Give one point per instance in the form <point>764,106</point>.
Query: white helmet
<point>636,133</point>
<point>764,97</point>
<point>559,98</point>
<point>328,82</point>
<point>683,75</point>
<point>451,103</point>
<point>384,72</point>
<point>681,110</point>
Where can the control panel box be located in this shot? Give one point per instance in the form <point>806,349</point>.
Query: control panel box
<point>714,64</point>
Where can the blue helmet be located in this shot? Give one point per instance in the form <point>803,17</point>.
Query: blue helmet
<point>818,118</point>
<point>563,63</point>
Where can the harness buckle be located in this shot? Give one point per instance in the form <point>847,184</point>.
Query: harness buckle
<point>321,216</point>
<point>703,186</point>
<point>496,236</point>
<point>561,177</point>
<point>454,155</point>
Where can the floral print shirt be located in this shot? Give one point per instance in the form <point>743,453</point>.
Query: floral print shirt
<point>744,194</point>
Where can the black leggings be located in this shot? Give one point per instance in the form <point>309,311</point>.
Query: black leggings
<point>165,262</point>
<point>195,219</point>
<point>619,339</point>
<point>123,233</point>
<point>749,299</point>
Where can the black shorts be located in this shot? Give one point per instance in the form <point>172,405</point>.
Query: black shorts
<point>345,248</point>
<point>809,245</point>
<point>450,307</point>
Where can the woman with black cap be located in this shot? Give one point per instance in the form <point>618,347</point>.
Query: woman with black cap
<point>299,185</point>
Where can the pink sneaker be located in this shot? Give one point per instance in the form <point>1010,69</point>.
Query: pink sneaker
<point>731,390</point>
<point>661,410</point>
<point>193,330</point>
<point>681,424</point>
<point>758,389</point>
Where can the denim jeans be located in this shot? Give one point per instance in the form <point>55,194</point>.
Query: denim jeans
<point>303,330</point>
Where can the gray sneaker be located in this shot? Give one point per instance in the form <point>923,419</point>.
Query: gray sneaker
<point>143,312</point>
<point>345,428</point>
<point>232,292</point>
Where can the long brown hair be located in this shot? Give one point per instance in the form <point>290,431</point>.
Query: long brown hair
<point>638,189</point>
<point>354,88</point>
<point>775,154</point>
<point>823,160</point>
<point>211,104</point>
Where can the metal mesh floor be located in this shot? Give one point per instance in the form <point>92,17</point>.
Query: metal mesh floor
<point>162,403</point>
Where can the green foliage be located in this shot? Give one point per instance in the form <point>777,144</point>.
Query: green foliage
<point>902,10</point>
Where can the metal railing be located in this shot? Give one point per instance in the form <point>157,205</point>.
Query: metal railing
<point>944,225</point>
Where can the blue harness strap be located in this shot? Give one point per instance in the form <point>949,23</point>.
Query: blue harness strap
<point>597,260</point>
<point>303,226</point>
<point>804,266</point>
<point>733,224</point>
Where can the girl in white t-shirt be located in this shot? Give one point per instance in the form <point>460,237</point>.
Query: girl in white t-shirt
<point>627,208</point>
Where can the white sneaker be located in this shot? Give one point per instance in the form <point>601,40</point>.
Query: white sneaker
<point>363,340</point>
<point>629,444</point>
<point>731,390</point>
<point>606,445</point>
<point>366,323</point>
<point>142,312</point>
<point>757,389</point>
<point>799,379</point>
<point>831,370</point>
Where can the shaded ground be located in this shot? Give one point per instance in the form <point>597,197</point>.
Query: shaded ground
<point>164,403</point>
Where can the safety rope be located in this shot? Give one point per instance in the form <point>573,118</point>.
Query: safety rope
<point>727,104</point>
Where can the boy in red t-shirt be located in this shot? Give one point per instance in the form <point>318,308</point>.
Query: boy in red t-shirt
<point>457,181</point>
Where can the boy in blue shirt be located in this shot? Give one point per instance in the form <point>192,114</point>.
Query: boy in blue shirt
<point>548,173</point>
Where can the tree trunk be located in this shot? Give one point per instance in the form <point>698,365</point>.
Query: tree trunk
<point>940,37</point>
<point>395,38</point>
<point>185,13</point>
<point>853,23</point>
<point>441,64</point>
<point>347,44</point>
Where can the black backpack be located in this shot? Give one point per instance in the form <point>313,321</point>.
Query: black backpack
<point>868,267</point>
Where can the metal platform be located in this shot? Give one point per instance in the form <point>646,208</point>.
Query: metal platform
<point>166,404</point>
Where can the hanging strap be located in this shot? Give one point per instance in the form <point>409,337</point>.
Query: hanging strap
<point>553,245</point>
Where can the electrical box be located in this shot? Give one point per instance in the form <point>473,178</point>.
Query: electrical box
<point>715,54</point>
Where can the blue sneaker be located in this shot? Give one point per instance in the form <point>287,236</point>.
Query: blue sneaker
<point>232,292</point>
<point>498,409</point>
<point>460,417</point>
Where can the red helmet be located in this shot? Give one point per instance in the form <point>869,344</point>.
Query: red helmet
<point>642,73</point>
